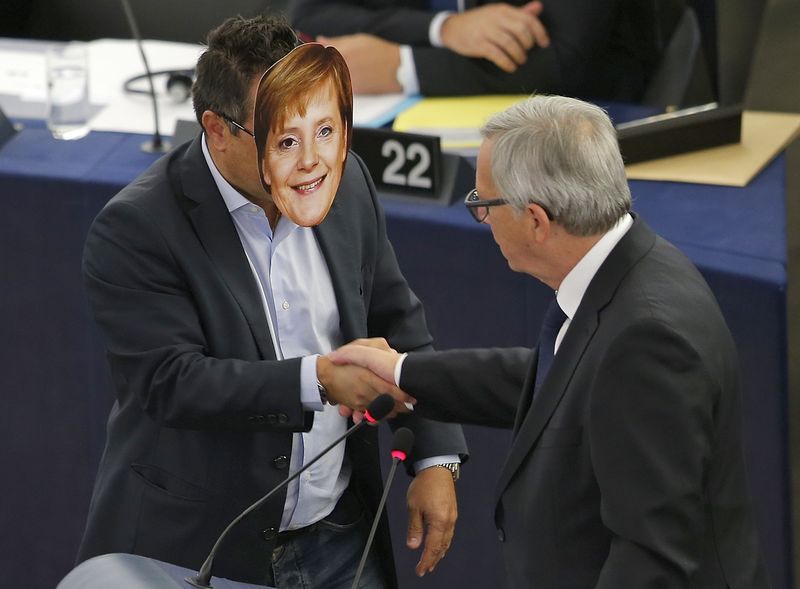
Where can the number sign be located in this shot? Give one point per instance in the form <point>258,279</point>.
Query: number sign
<point>401,163</point>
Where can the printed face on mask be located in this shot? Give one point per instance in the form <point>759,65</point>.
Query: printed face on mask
<point>303,119</point>
<point>304,158</point>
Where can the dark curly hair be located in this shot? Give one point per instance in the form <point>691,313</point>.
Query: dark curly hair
<point>238,50</point>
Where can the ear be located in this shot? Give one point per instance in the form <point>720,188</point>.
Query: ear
<point>539,223</point>
<point>216,129</point>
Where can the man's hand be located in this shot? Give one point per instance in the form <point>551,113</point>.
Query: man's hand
<point>356,387</point>
<point>377,343</point>
<point>501,33</point>
<point>432,506</point>
<point>372,61</point>
<point>375,359</point>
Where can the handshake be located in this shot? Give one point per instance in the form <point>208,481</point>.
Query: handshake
<point>356,373</point>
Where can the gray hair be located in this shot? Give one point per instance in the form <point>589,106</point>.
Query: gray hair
<point>562,154</point>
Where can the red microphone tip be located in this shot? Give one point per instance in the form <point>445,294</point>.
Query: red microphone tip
<point>399,454</point>
<point>369,417</point>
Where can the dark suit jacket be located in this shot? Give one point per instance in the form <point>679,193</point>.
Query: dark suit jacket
<point>599,48</point>
<point>203,422</point>
<point>626,468</point>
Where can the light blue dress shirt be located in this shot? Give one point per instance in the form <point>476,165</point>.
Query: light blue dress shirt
<point>300,304</point>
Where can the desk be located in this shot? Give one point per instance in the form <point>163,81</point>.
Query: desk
<point>56,393</point>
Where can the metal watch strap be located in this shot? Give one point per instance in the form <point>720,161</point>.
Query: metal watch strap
<point>453,467</point>
<point>323,392</point>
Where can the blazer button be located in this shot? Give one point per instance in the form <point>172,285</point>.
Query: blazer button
<point>501,534</point>
<point>272,419</point>
<point>260,419</point>
<point>283,418</point>
<point>269,534</point>
<point>281,462</point>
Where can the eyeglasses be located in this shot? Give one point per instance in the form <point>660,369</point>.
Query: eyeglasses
<point>235,124</point>
<point>478,208</point>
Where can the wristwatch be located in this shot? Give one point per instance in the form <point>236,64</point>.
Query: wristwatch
<point>323,392</point>
<point>453,467</point>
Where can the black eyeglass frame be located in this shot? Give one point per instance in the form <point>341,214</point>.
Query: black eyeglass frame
<point>474,203</point>
<point>237,125</point>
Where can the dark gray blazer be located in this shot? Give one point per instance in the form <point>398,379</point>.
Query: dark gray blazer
<point>626,468</point>
<point>203,422</point>
<point>599,48</point>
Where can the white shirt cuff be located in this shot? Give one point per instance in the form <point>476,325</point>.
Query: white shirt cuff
<point>421,465</point>
<point>435,28</point>
<point>309,393</point>
<point>407,72</point>
<point>398,368</point>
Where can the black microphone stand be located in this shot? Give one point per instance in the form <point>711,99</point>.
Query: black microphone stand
<point>203,578</point>
<point>401,446</point>
<point>379,408</point>
<point>156,144</point>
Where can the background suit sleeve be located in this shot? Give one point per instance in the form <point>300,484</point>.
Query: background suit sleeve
<point>407,26</point>
<point>580,32</point>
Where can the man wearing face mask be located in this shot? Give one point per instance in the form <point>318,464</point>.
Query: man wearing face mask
<point>215,303</point>
<point>302,148</point>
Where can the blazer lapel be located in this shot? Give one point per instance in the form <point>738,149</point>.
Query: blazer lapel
<point>343,262</point>
<point>531,422</point>
<point>526,397</point>
<point>533,414</point>
<point>216,231</point>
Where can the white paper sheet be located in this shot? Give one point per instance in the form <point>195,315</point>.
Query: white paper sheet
<point>22,75</point>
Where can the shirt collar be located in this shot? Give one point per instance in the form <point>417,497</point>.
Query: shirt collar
<point>233,198</point>
<point>574,285</point>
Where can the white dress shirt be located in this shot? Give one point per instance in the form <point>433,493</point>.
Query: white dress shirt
<point>570,292</point>
<point>300,305</point>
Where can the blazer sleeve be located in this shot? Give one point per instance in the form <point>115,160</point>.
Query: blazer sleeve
<point>157,347</point>
<point>651,435</point>
<point>480,386</point>
<point>400,24</point>
<point>395,313</point>
<point>579,30</point>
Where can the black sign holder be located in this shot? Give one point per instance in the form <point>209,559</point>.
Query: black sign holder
<point>679,132</point>
<point>410,166</point>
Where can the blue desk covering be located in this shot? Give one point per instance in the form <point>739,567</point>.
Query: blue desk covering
<point>56,393</point>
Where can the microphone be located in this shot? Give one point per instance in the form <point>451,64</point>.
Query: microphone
<point>379,408</point>
<point>156,144</point>
<point>402,442</point>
